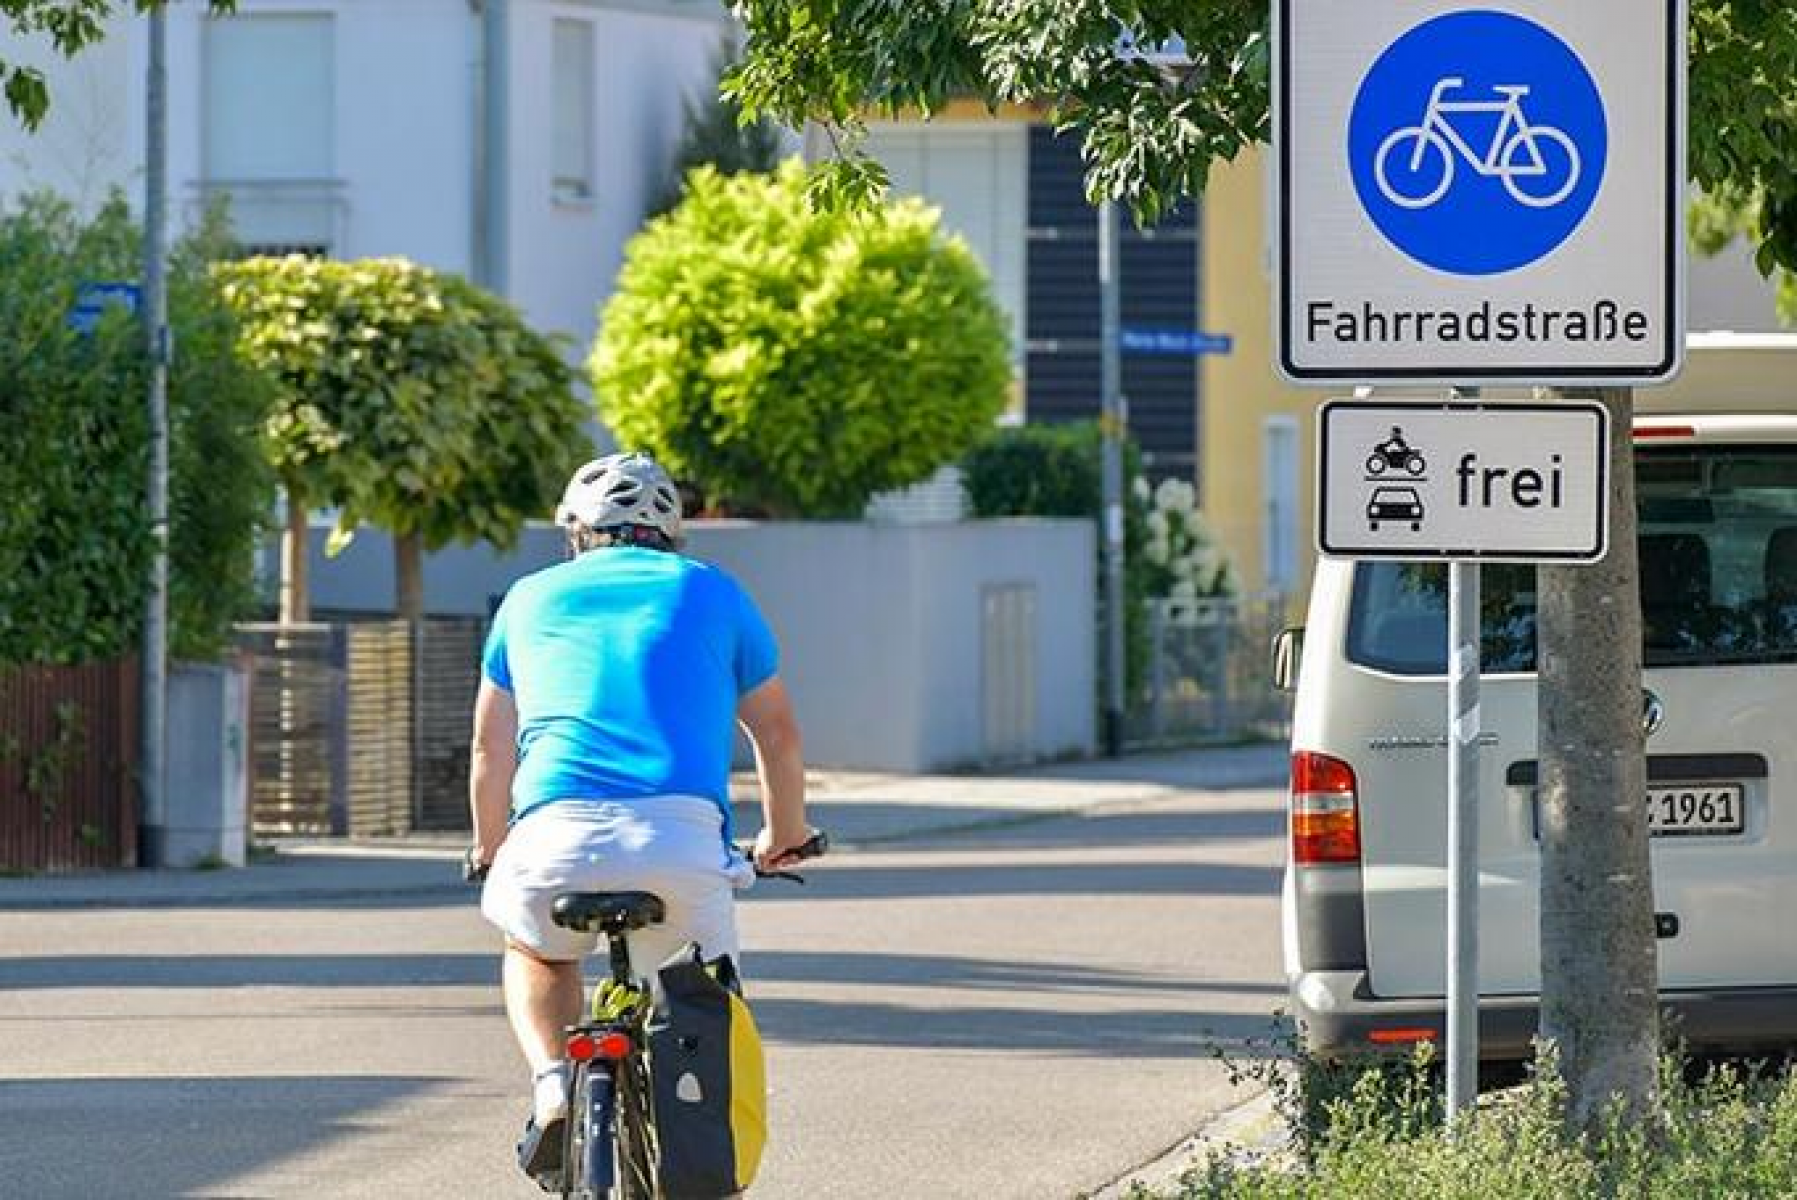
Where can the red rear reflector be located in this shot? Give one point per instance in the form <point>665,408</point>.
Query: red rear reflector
<point>1643,432</point>
<point>1325,810</point>
<point>612,1047</point>
<point>1393,1037</point>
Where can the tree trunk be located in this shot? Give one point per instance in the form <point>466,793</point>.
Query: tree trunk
<point>296,604</point>
<point>1599,974</point>
<point>408,576</point>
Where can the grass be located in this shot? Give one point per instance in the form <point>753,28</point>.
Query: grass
<point>1728,1131</point>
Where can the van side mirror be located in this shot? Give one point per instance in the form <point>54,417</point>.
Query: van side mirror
<point>1288,653</point>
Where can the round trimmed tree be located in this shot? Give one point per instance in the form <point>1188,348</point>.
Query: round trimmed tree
<point>795,362</point>
<point>407,399</point>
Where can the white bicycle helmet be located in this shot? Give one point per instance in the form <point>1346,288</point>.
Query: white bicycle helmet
<point>621,489</point>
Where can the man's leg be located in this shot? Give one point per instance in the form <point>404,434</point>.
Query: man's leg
<point>542,998</point>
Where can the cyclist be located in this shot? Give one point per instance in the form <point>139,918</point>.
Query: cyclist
<point>603,732</point>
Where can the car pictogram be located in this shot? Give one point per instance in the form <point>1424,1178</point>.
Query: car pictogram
<point>1401,504</point>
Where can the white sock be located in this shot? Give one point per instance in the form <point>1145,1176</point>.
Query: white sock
<point>550,1095</point>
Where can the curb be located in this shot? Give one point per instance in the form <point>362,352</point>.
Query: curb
<point>1250,1127</point>
<point>272,893</point>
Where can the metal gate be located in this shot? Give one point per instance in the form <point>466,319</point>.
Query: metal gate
<point>361,728</point>
<point>1209,675</point>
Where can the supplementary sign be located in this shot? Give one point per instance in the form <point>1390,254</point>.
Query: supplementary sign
<point>1502,482</point>
<point>1479,194</point>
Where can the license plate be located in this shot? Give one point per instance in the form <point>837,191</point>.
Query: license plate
<point>1696,809</point>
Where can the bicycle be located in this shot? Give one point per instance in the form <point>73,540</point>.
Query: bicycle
<point>1515,152</point>
<point>610,1146</point>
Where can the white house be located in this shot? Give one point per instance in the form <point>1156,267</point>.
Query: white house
<point>514,141</point>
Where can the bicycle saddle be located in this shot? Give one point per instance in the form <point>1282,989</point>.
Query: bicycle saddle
<point>607,912</point>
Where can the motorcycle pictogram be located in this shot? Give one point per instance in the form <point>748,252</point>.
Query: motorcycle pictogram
<point>1395,455</point>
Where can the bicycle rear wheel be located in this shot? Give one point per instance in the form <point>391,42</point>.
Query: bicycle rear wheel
<point>638,1162</point>
<point>589,1169</point>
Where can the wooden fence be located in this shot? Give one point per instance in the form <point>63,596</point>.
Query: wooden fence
<point>68,767</point>
<point>361,728</point>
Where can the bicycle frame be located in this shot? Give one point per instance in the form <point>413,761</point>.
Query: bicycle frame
<point>609,1109</point>
<point>1435,119</point>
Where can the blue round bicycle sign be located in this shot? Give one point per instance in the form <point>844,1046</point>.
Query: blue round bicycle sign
<point>1478,143</point>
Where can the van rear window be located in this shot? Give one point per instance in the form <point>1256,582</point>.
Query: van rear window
<point>1718,544</point>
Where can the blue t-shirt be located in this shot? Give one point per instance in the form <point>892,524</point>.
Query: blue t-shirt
<point>626,665</point>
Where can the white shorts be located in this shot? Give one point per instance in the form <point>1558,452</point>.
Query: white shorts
<point>672,846</point>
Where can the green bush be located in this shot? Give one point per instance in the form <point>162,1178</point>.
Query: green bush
<point>74,446</point>
<point>1035,470</point>
<point>796,362</point>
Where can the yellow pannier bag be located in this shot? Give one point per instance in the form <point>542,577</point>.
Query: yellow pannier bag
<point>708,1079</point>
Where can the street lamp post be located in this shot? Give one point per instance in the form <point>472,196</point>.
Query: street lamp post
<point>1113,422</point>
<point>153,820</point>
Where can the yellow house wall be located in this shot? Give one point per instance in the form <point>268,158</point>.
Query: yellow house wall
<point>1241,389</point>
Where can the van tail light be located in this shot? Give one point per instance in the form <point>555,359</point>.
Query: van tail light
<point>1325,810</point>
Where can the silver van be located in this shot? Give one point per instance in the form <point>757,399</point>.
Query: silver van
<point>1365,894</point>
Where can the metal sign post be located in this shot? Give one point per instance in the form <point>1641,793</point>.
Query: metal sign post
<point>1467,482</point>
<point>1463,837</point>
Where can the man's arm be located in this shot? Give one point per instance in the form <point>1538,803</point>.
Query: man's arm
<point>493,760</point>
<point>766,715</point>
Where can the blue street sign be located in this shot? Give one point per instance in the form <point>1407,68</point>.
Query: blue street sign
<point>93,298</point>
<point>1183,342</point>
<point>1478,143</point>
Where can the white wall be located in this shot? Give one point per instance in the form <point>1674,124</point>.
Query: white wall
<point>565,255</point>
<point>977,173</point>
<point>404,121</point>
<point>881,626</point>
<point>82,149</point>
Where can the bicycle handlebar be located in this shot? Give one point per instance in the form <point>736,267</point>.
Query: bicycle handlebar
<point>816,846</point>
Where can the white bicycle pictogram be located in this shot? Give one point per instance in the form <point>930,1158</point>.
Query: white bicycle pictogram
<point>1514,156</point>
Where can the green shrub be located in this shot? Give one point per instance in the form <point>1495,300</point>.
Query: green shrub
<point>74,446</point>
<point>797,362</point>
<point>1035,470</point>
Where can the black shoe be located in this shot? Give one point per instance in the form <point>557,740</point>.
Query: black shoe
<point>540,1151</point>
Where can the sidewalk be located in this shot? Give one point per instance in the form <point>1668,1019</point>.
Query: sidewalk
<point>857,808</point>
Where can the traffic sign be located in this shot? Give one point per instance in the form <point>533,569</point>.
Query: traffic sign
<point>1462,481</point>
<point>1141,339</point>
<point>1480,193</point>
<point>92,299</point>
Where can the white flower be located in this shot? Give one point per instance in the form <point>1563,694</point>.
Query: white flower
<point>1157,525</point>
<point>1143,492</point>
<point>1185,566</point>
<point>1196,527</point>
<point>1183,589</point>
<point>1156,551</point>
<point>1164,493</point>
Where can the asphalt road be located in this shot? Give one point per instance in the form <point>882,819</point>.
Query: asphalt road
<point>1028,1012</point>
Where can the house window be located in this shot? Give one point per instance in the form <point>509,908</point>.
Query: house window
<point>572,83</point>
<point>269,127</point>
<point>1279,441</point>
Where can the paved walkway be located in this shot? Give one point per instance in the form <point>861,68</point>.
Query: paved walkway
<point>859,809</point>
